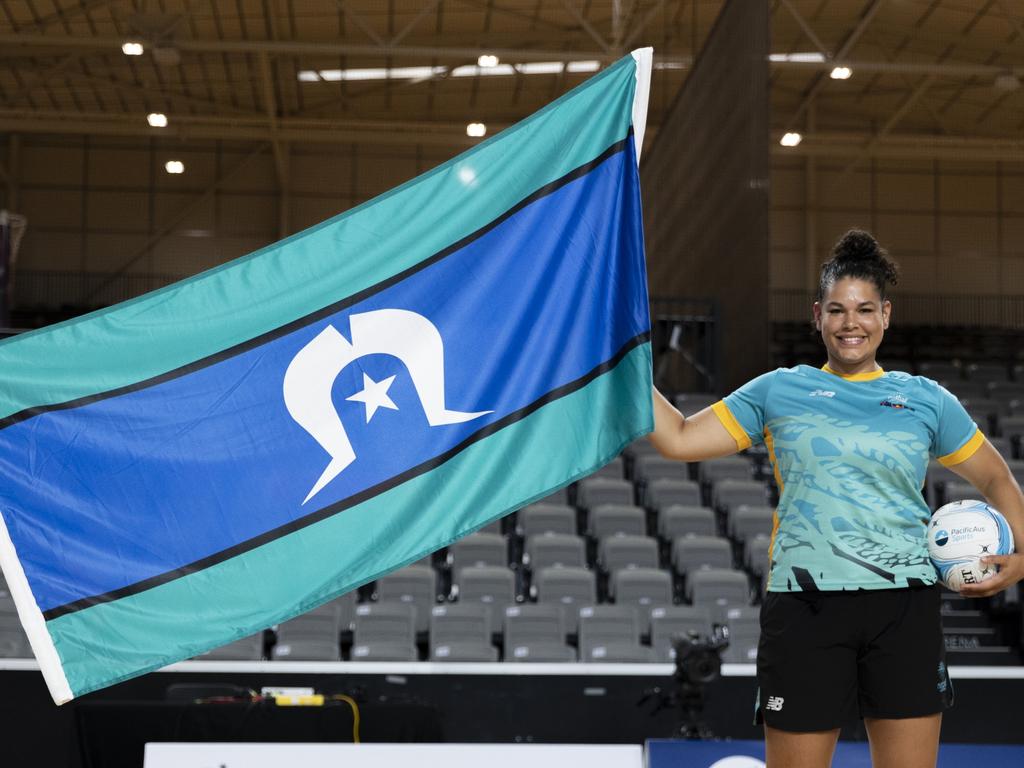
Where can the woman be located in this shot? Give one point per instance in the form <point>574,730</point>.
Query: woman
<point>850,623</point>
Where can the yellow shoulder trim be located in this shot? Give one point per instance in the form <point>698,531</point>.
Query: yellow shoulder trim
<point>965,452</point>
<point>869,376</point>
<point>725,416</point>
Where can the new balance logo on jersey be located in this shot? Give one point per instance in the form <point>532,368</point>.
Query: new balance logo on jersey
<point>774,703</point>
<point>822,393</point>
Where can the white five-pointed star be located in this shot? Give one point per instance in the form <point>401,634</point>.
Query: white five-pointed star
<point>374,395</point>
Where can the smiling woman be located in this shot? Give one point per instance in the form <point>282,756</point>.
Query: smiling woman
<point>850,624</point>
<point>851,312</point>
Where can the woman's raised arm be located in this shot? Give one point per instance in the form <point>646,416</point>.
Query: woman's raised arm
<point>694,438</point>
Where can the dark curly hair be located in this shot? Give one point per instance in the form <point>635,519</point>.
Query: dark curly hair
<point>858,255</point>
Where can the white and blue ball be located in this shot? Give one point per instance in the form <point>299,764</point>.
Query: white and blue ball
<point>960,534</point>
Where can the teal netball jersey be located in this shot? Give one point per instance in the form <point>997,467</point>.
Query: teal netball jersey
<point>850,455</point>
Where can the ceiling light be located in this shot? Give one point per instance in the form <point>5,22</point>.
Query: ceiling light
<point>174,166</point>
<point>812,57</point>
<point>791,139</point>
<point>157,119</point>
<point>542,68</point>
<point>487,60</point>
<point>583,66</point>
<point>841,73</point>
<point>132,49</point>
<point>476,130</point>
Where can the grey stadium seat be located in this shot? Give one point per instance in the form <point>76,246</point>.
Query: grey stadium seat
<point>610,519</point>
<point>755,554</point>
<point>718,587</point>
<point>650,468</point>
<point>461,632</point>
<point>534,632</point>
<point>540,652</point>
<point>641,586</point>
<point>554,549</point>
<point>1013,428</point>
<point>568,588</point>
<point>490,586</point>
<point>670,620</point>
<point>638,448</point>
<point>746,522</point>
<point>14,643</point>
<point>306,649</point>
<point>534,623</point>
<point>727,468</point>
<point>324,622</point>
<point>728,494</point>
<point>244,649</point>
<point>610,633</point>
<point>478,549</point>
<point>744,631</point>
<point>663,493</point>
<point>620,653</point>
<point>681,520</point>
<point>561,496</point>
<point>694,553</point>
<point>546,518</point>
<point>601,623</point>
<point>617,552</point>
<point>384,632</point>
<point>593,491</point>
<point>413,584</point>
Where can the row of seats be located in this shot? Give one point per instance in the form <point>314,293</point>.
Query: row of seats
<point>387,631</point>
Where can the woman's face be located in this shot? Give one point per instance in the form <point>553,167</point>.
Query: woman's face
<point>852,319</point>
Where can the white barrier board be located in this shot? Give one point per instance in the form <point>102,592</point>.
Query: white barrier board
<point>216,755</point>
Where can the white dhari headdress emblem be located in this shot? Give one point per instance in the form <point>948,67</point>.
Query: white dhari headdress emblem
<point>312,372</point>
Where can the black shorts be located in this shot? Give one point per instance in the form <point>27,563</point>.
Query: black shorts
<point>825,658</point>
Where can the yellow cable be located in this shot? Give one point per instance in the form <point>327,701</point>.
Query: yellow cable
<point>355,714</point>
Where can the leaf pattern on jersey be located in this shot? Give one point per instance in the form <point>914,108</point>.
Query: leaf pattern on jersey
<point>862,494</point>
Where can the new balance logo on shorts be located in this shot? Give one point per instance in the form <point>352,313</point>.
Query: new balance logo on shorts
<point>774,703</point>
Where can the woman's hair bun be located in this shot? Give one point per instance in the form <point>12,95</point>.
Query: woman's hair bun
<point>858,255</point>
<point>858,245</point>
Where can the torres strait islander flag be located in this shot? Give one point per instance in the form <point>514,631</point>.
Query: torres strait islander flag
<point>189,467</point>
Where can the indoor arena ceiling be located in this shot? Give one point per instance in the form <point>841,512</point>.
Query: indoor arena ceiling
<point>928,78</point>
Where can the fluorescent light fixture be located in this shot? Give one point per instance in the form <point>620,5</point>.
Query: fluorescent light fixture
<point>669,65</point>
<point>841,73</point>
<point>157,119</point>
<point>476,130</point>
<point>472,70</point>
<point>174,166</point>
<point>132,49</point>
<point>542,68</point>
<point>800,58</point>
<point>791,139</point>
<point>486,69</point>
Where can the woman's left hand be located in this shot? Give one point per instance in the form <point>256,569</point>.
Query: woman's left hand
<point>1011,570</point>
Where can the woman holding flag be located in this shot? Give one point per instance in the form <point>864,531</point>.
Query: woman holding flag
<point>850,623</point>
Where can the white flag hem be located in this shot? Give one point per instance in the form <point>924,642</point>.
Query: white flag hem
<point>32,620</point>
<point>644,58</point>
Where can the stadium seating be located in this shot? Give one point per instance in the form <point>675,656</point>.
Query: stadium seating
<point>461,632</point>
